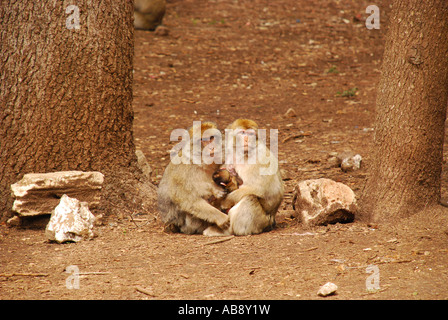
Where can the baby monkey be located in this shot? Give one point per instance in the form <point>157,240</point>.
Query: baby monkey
<point>228,178</point>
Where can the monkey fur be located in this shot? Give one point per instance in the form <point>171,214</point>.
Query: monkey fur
<point>254,204</point>
<point>185,191</point>
<point>148,14</point>
<point>227,178</point>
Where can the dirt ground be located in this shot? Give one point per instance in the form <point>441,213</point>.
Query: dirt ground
<point>256,59</point>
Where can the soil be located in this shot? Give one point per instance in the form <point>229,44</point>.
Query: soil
<point>221,60</point>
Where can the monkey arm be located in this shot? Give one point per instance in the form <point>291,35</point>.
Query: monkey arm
<point>203,210</point>
<point>235,196</point>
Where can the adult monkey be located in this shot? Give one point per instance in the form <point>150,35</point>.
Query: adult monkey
<point>255,203</point>
<point>148,14</point>
<point>187,188</point>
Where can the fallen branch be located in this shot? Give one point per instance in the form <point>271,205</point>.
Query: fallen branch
<point>219,240</point>
<point>24,274</point>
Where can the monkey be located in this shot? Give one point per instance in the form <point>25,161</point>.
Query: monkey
<point>254,204</point>
<point>148,14</point>
<point>228,178</point>
<point>186,189</point>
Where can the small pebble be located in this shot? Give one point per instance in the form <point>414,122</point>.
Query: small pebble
<point>327,289</point>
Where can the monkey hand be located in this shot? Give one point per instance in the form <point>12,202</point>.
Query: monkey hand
<point>226,204</point>
<point>224,222</point>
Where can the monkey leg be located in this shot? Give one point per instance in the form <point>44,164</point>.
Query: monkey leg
<point>193,225</point>
<point>248,217</point>
<point>214,231</point>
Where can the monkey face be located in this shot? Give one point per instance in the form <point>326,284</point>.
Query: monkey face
<point>211,145</point>
<point>208,143</point>
<point>222,177</point>
<point>246,138</point>
<point>227,179</point>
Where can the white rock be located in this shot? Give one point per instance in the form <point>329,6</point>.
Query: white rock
<point>324,201</point>
<point>71,220</point>
<point>327,289</point>
<point>351,163</point>
<point>347,160</point>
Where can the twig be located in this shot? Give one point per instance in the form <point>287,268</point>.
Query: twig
<point>145,291</point>
<point>298,234</point>
<point>293,137</point>
<point>23,274</point>
<point>93,273</point>
<point>135,223</point>
<point>310,249</point>
<point>219,240</point>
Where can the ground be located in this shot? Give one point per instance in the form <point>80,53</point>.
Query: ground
<point>256,59</point>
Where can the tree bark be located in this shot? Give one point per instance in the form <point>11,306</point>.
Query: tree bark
<point>407,153</point>
<point>66,95</point>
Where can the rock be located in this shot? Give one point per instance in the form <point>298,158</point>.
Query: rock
<point>39,193</point>
<point>71,220</point>
<point>327,289</point>
<point>352,163</point>
<point>348,161</point>
<point>14,221</point>
<point>324,201</point>
<point>143,163</point>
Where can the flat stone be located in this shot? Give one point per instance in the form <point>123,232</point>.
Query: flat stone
<point>39,193</point>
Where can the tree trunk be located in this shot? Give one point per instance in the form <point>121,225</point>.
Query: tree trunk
<point>66,95</point>
<point>407,154</point>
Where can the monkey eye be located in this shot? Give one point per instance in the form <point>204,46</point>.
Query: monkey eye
<point>241,132</point>
<point>207,139</point>
<point>246,133</point>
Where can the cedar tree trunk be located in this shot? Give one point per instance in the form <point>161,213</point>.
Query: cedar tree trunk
<point>66,96</point>
<point>407,154</point>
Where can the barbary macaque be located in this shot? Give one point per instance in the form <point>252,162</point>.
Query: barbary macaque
<point>186,188</point>
<point>254,204</point>
<point>228,178</point>
<point>148,14</point>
